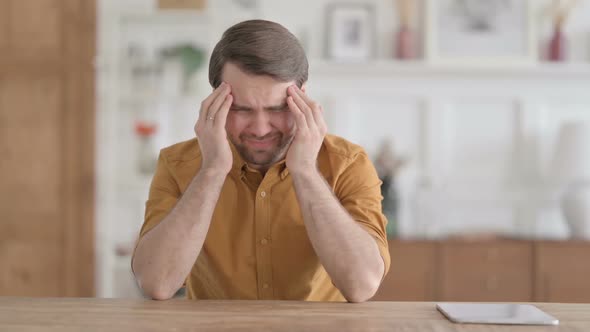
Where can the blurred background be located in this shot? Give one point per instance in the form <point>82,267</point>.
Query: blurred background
<point>475,112</point>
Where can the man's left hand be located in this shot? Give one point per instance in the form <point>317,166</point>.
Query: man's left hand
<point>311,130</point>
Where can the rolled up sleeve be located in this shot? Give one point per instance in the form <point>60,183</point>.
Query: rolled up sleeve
<point>163,195</point>
<point>359,190</point>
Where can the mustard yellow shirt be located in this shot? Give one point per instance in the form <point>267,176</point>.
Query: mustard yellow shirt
<point>257,245</point>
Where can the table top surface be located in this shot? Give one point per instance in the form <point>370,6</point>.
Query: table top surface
<point>86,314</point>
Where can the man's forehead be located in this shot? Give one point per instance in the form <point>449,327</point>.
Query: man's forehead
<point>260,102</point>
<point>251,93</point>
<point>243,82</point>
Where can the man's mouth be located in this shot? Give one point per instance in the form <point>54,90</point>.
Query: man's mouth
<point>263,143</point>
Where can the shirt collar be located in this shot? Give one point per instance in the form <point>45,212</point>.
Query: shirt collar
<point>239,165</point>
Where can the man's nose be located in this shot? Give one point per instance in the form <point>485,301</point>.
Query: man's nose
<point>260,124</point>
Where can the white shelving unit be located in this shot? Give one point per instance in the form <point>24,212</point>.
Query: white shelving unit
<point>122,189</point>
<point>421,105</point>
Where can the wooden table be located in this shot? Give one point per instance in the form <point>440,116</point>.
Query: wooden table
<point>68,314</point>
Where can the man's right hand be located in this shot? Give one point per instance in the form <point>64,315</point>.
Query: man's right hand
<point>210,130</point>
<point>166,254</point>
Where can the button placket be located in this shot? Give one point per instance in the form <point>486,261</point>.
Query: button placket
<point>262,248</point>
<point>264,240</point>
<point>263,234</point>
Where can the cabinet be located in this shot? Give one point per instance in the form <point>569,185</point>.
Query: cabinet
<point>563,271</point>
<point>411,275</point>
<point>487,271</point>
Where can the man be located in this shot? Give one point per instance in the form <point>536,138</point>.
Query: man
<point>262,204</point>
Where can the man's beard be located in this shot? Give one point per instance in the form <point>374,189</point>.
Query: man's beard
<point>263,157</point>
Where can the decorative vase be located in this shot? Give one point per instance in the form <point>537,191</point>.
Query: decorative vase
<point>557,45</point>
<point>147,156</point>
<point>404,48</point>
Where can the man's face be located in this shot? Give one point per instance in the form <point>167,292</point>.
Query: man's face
<point>259,123</point>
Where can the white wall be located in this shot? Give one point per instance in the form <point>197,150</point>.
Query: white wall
<point>479,140</point>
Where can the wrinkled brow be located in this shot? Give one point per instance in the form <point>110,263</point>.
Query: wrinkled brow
<point>268,108</point>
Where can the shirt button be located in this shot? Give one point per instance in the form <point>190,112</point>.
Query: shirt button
<point>265,286</point>
<point>263,241</point>
<point>263,193</point>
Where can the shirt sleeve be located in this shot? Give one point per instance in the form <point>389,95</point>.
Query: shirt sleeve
<point>359,190</point>
<point>163,195</point>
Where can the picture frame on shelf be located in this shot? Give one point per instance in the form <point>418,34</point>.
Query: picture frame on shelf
<point>480,32</point>
<point>350,31</point>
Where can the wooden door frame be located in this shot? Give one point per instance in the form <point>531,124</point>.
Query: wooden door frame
<point>79,149</point>
<point>74,65</point>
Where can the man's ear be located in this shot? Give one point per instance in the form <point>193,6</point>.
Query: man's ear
<point>303,86</point>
